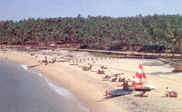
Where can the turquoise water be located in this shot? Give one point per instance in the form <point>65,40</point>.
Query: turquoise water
<point>22,90</point>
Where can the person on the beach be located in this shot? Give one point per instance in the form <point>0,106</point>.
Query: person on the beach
<point>170,92</point>
<point>90,66</point>
<point>125,85</point>
<point>46,61</point>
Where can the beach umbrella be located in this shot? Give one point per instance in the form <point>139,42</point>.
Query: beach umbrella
<point>139,78</point>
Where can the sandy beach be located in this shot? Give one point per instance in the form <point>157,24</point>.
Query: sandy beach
<point>90,87</point>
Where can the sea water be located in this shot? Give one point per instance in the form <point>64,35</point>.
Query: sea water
<point>23,90</point>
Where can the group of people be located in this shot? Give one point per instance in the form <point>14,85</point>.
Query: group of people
<point>45,61</point>
<point>138,80</point>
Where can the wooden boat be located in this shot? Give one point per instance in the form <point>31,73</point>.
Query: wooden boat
<point>118,92</point>
<point>144,89</point>
<point>177,68</point>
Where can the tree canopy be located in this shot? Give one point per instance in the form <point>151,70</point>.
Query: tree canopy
<point>147,33</point>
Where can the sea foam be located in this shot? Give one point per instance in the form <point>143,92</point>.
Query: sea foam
<point>52,84</point>
<point>39,74</point>
<point>66,94</point>
<point>60,90</point>
<point>24,67</point>
<point>83,107</point>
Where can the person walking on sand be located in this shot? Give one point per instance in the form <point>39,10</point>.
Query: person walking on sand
<point>90,66</point>
<point>170,92</point>
<point>46,61</point>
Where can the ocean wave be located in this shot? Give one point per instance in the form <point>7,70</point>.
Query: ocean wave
<point>67,94</point>
<point>39,74</point>
<point>52,84</point>
<point>83,107</point>
<point>61,91</point>
<point>24,67</point>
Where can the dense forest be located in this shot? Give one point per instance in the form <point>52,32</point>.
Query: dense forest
<point>156,33</point>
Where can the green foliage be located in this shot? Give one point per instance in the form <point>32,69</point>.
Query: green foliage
<point>149,32</point>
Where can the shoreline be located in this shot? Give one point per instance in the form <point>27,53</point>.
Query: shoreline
<point>89,94</point>
<point>89,86</point>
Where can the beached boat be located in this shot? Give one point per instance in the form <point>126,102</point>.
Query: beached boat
<point>177,68</point>
<point>118,92</point>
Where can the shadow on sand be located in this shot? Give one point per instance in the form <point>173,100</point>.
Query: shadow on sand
<point>107,98</point>
<point>163,73</point>
<point>140,95</point>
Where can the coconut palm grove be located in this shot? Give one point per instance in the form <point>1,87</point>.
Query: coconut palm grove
<point>152,33</point>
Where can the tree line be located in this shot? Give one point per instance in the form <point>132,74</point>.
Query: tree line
<point>156,33</point>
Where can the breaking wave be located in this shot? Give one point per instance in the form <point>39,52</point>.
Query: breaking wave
<point>59,90</point>
<point>24,67</point>
<point>66,94</point>
<point>39,74</point>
